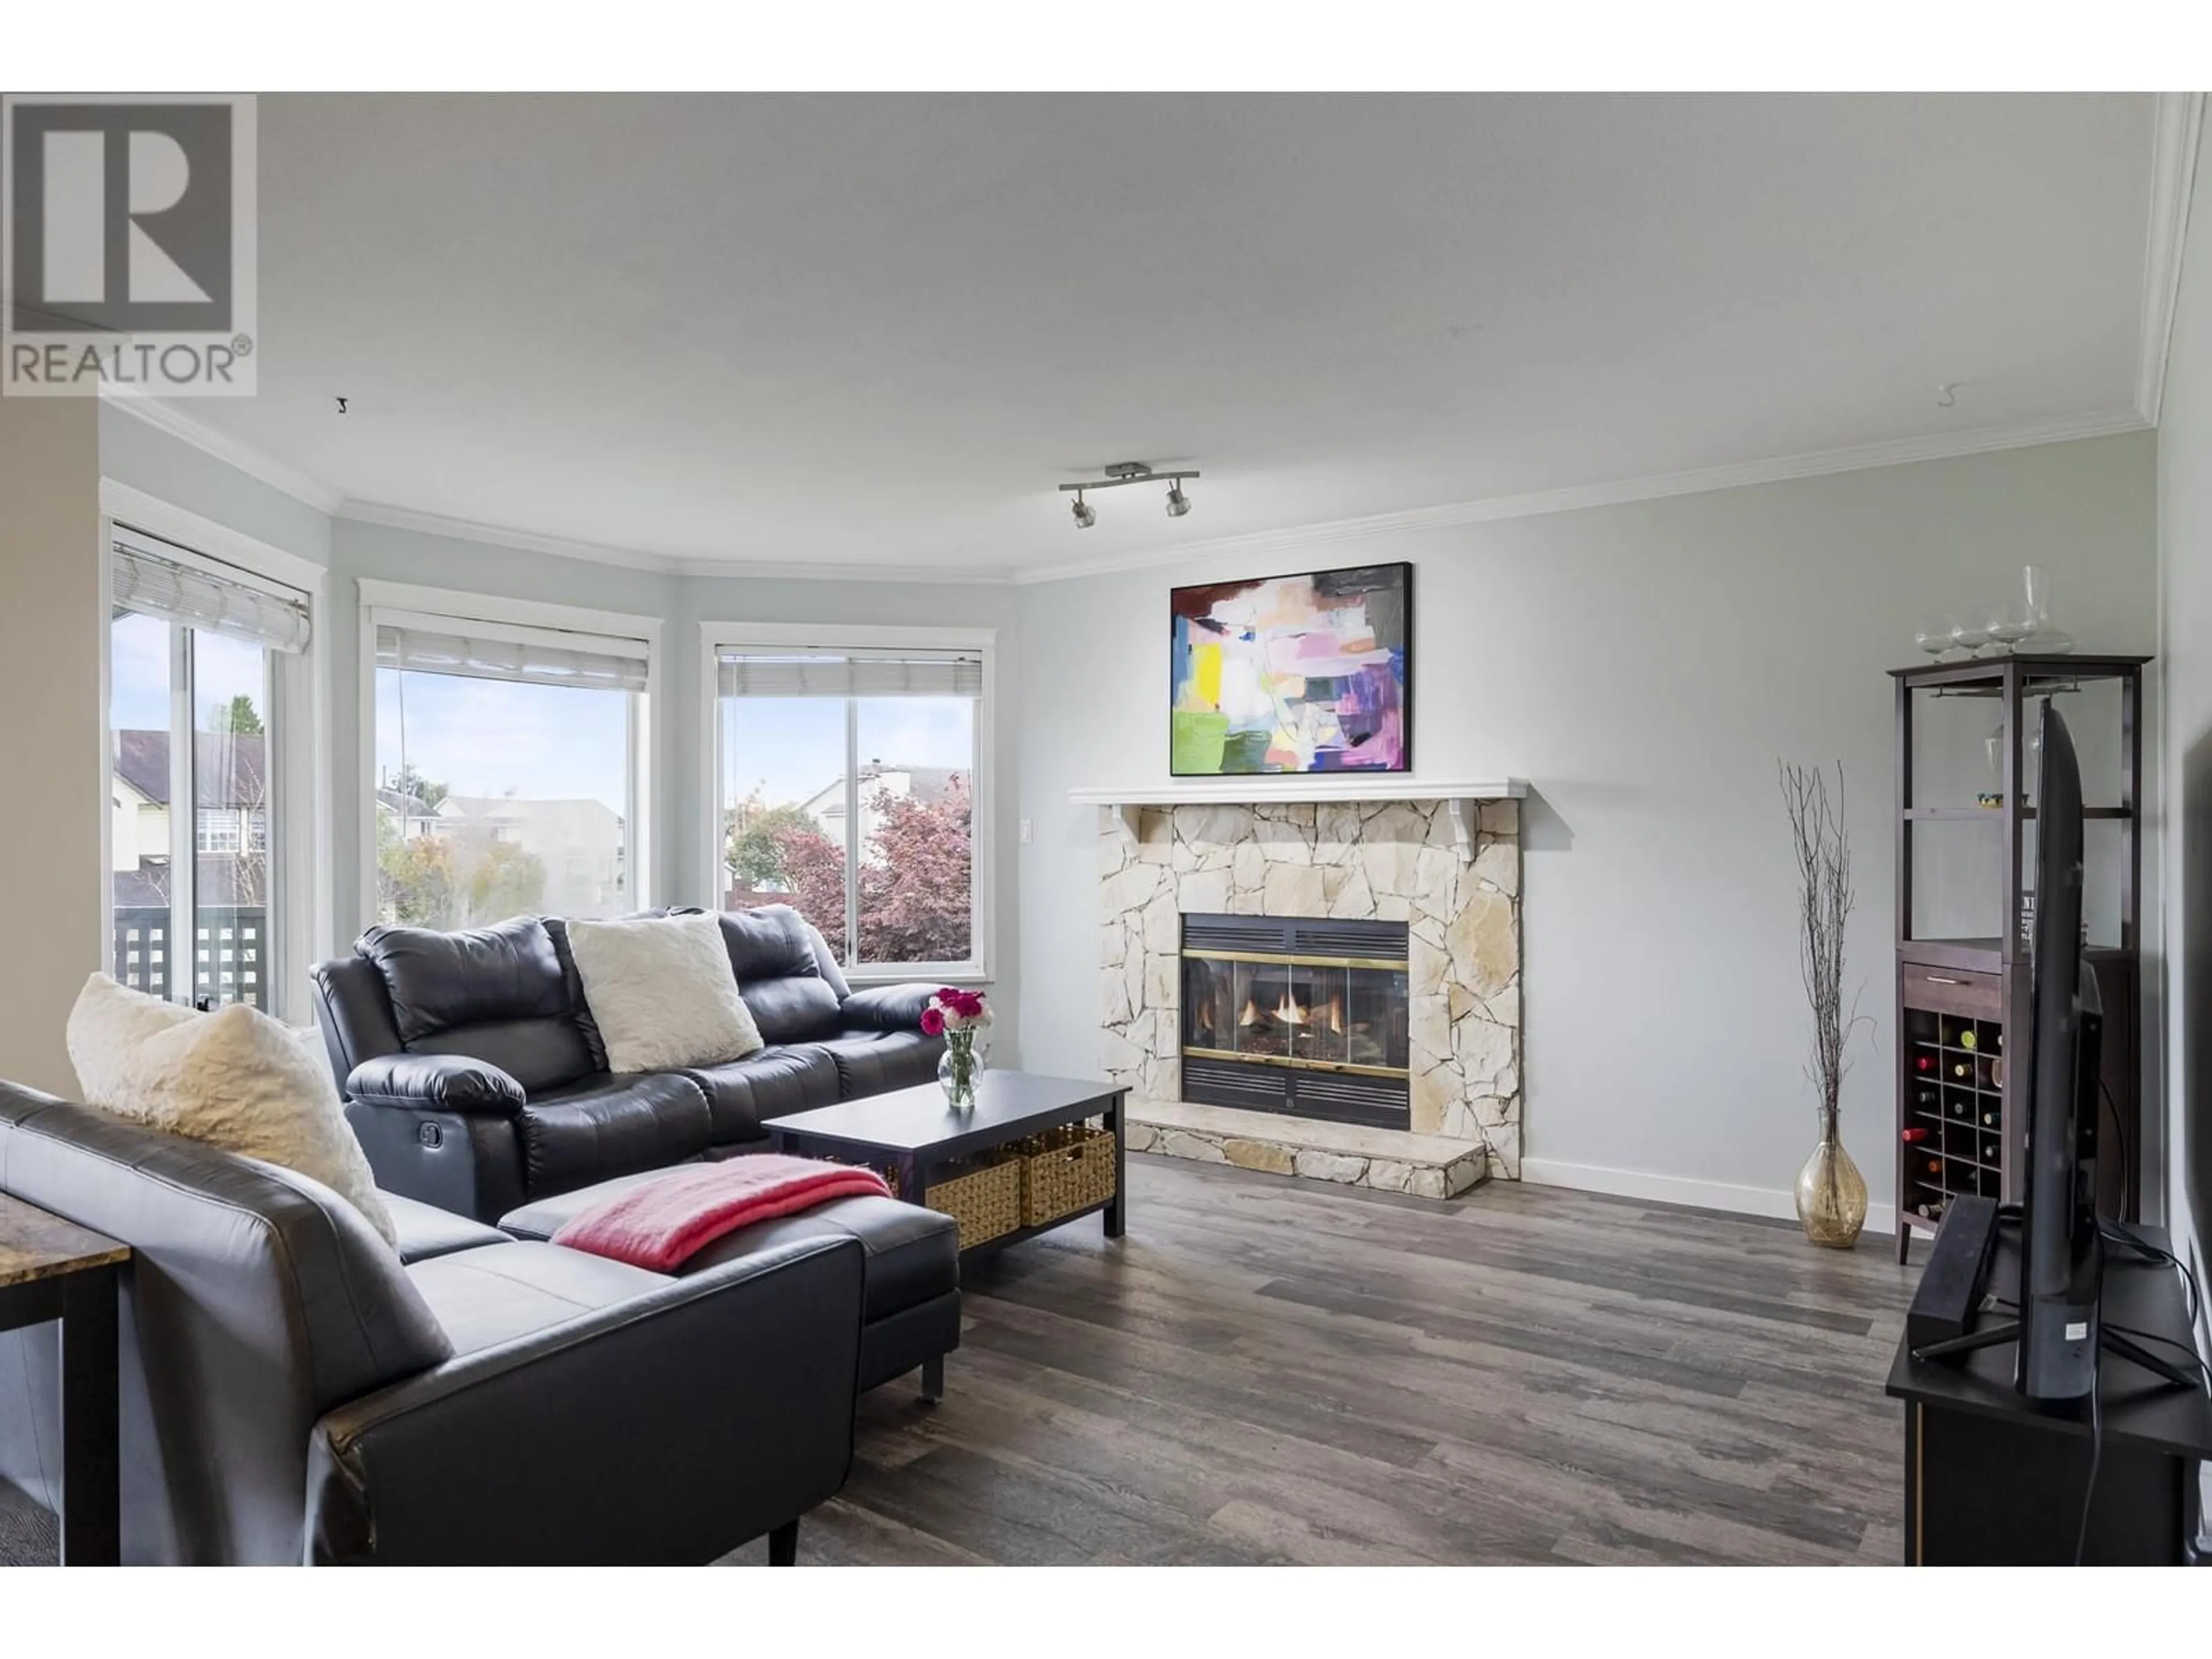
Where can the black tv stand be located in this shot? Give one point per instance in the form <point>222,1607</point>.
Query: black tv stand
<point>2110,1341</point>
<point>1993,1479</point>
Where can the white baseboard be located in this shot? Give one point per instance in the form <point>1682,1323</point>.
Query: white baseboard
<point>1678,1190</point>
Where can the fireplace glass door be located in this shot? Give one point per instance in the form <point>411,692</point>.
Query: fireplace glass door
<point>1302,1016</point>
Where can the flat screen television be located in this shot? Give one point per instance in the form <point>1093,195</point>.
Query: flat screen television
<point>2061,1256</point>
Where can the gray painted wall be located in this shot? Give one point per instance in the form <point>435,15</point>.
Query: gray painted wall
<point>1644,665</point>
<point>2185,516</point>
<point>145,458</point>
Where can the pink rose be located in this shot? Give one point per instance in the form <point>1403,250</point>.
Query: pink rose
<point>932,1021</point>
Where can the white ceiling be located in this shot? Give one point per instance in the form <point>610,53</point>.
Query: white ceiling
<point>879,329</point>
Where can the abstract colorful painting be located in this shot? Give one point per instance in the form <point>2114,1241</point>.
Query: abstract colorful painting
<point>1294,673</point>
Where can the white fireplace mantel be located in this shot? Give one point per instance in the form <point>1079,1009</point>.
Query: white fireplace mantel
<point>1463,797</point>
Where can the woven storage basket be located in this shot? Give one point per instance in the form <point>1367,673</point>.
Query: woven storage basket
<point>1065,1170</point>
<point>986,1201</point>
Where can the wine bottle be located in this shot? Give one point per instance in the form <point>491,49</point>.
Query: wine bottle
<point>1962,1069</point>
<point>1935,1166</point>
<point>1967,1037</point>
<point>1924,1063</point>
<point>1989,1119</point>
<point>1912,1136</point>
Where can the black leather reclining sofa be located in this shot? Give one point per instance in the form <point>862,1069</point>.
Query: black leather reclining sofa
<point>476,1079</point>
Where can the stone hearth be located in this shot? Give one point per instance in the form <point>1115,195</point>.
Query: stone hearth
<point>1388,1160</point>
<point>1450,870</point>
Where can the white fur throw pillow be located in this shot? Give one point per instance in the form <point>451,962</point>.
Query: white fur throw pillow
<point>234,1078</point>
<point>662,991</point>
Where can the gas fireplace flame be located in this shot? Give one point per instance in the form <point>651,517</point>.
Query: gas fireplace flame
<point>1289,1012</point>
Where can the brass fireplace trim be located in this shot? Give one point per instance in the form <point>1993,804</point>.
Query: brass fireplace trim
<point>1343,1066</point>
<point>1286,959</point>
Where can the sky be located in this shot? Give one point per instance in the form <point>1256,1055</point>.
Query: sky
<point>794,747</point>
<point>139,665</point>
<point>502,737</point>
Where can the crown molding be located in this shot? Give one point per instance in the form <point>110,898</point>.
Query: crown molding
<point>256,463</point>
<point>469,529</point>
<point>2178,121</point>
<point>1943,446</point>
<point>1977,441</point>
<point>666,564</point>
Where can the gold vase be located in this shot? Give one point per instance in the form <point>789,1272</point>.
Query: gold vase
<point>1831,1194</point>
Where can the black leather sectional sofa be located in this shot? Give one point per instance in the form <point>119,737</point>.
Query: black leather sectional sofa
<point>450,1403</point>
<point>292,1390</point>
<point>476,1079</point>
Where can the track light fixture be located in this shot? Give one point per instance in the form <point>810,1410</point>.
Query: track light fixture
<point>1129,472</point>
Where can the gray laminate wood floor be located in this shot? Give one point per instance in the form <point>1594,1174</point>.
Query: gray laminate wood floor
<point>1274,1371</point>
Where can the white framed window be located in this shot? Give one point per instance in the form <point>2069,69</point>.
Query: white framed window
<point>851,769</point>
<point>509,756</point>
<point>210,708</point>
<point>218,831</point>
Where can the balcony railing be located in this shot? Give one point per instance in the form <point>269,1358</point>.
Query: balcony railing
<point>229,955</point>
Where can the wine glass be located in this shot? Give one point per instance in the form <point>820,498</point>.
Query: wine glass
<point>2008,624</point>
<point>1934,635</point>
<point>1969,637</point>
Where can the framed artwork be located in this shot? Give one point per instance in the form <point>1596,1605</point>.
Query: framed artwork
<point>1308,673</point>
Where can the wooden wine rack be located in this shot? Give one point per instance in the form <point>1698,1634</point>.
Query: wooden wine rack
<point>1952,1138</point>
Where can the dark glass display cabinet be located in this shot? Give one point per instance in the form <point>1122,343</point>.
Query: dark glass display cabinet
<point>1962,994</point>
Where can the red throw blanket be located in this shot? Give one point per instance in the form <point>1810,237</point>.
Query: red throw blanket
<point>659,1224</point>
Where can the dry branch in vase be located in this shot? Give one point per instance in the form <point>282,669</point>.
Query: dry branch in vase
<point>1831,1194</point>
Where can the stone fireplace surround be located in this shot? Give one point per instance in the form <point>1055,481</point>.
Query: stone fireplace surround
<point>1447,864</point>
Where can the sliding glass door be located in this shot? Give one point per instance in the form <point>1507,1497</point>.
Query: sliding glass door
<point>195,650</point>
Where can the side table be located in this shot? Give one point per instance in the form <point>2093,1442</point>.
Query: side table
<point>53,1269</point>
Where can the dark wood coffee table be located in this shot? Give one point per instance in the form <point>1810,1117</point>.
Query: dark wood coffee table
<point>913,1132</point>
<point>51,1268</point>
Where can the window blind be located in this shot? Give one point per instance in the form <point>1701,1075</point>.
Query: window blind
<point>154,586</point>
<point>742,673</point>
<point>590,661</point>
